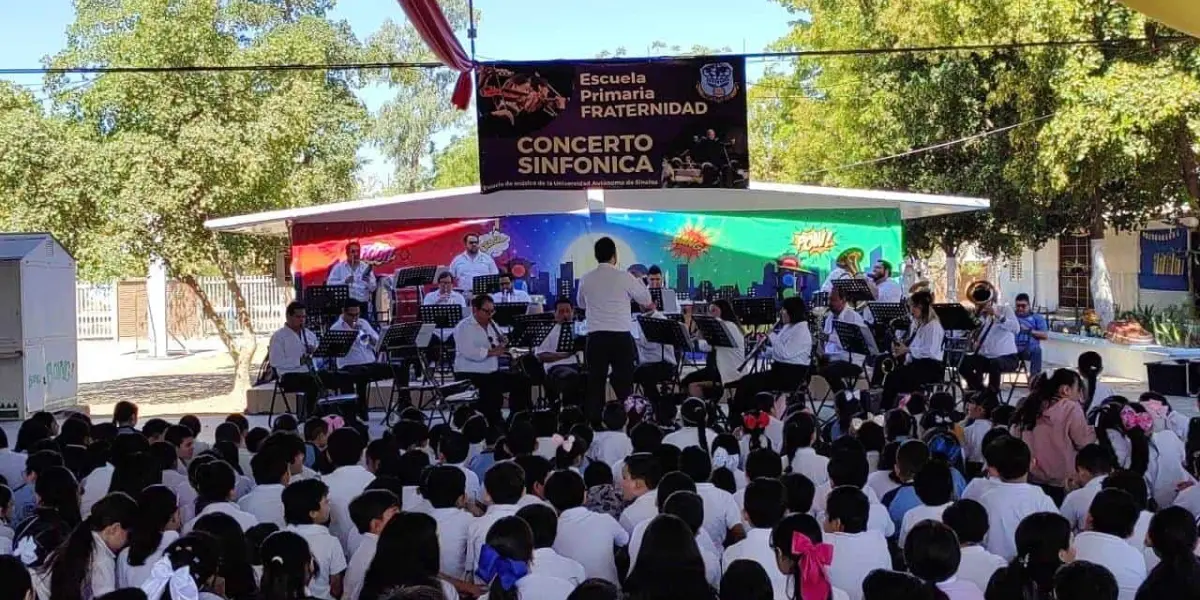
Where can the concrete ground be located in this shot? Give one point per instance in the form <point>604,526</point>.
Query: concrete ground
<point>197,379</point>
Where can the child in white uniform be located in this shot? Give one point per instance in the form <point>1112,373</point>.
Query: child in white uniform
<point>508,548</point>
<point>584,536</point>
<point>156,528</point>
<point>306,511</point>
<point>371,511</point>
<point>1110,521</point>
<point>444,488</point>
<point>1012,498</point>
<point>543,520</point>
<point>969,521</point>
<point>856,550</point>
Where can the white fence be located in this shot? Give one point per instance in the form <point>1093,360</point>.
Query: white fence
<point>265,298</point>
<point>97,315</point>
<point>96,311</point>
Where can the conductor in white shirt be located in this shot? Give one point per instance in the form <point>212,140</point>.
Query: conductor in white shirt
<point>479,346</point>
<point>563,377</point>
<point>605,293</point>
<point>886,288</point>
<point>997,352</point>
<point>361,364</point>
<point>471,263</point>
<point>508,294</point>
<point>356,275</point>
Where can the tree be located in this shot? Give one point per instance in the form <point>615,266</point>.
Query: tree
<point>1100,135</point>
<point>420,109</point>
<point>457,164</point>
<point>151,157</point>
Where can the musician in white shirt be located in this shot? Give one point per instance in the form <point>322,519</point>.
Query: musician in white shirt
<point>997,353</point>
<point>508,294</point>
<point>356,275</point>
<point>722,362</point>
<point>444,295</point>
<point>290,354</point>
<point>471,263</point>
<point>563,376</point>
<point>605,293</point>
<point>360,365</point>
<point>918,360</point>
<point>478,348</point>
<point>886,288</point>
<point>791,354</point>
<point>839,363</point>
<point>656,362</point>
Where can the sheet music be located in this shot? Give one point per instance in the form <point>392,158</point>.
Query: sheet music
<point>670,302</point>
<point>425,335</point>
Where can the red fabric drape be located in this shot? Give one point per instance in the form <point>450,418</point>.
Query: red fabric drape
<point>429,21</point>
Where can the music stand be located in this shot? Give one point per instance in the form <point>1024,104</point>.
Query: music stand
<point>666,332</point>
<point>485,284</point>
<point>566,289</point>
<point>417,277</point>
<point>756,311</point>
<point>955,317</point>
<point>714,333</point>
<point>884,313</point>
<point>442,316</point>
<point>531,332</point>
<point>323,302</point>
<point>853,290</point>
<point>851,338</point>
<point>507,312</point>
<point>566,338</point>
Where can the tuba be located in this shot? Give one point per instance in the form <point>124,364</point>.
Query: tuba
<point>983,295</point>
<point>849,260</point>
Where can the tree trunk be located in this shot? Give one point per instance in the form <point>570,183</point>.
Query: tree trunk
<point>1101,282</point>
<point>241,348</point>
<point>951,274</point>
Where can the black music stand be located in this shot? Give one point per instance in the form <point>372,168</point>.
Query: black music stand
<point>853,290</point>
<point>485,284</point>
<point>566,338</point>
<point>507,312</point>
<point>756,312</point>
<point>323,302</point>
<point>955,317</point>
<point>443,317</point>
<point>714,333</point>
<point>400,341</point>
<point>851,339</point>
<point>667,332</point>
<point>334,344</point>
<point>656,296</point>
<point>566,289</point>
<point>531,332</point>
<point>417,277</point>
<point>884,313</point>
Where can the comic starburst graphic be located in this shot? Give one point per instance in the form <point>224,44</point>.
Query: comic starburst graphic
<point>690,242</point>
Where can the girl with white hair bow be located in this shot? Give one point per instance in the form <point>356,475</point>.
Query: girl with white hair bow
<point>187,570</point>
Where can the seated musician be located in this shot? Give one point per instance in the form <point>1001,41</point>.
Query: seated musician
<point>838,365</point>
<point>360,364</point>
<point>290,354</point>
<point>656,364</point>
<point>564,379</point>
<point>721,365</point>
<point>507,293</point>
<point>479,346</point>
<point>995,350</point>
<point>446,295</point>
<point>886,288</point>
<point>791,353</point>
<point>918,360</point>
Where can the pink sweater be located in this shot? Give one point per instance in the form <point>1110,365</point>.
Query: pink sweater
<point>1060,432</point>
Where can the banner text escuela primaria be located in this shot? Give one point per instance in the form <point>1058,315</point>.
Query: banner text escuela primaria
<point>603,154</point>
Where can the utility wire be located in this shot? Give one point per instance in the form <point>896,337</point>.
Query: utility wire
<point>436,65</point>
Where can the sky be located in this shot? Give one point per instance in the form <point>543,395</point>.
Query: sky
<point>508,30</point>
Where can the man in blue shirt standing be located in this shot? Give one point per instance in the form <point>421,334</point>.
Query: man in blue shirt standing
<point>1035,326</point>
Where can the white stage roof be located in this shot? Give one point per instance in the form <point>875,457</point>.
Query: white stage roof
<point>468,203</point>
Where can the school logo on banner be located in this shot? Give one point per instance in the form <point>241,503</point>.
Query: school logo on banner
<point>616,124</point>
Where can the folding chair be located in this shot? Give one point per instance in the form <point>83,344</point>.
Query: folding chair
<point>1023,340</point>
<point>279,392</point>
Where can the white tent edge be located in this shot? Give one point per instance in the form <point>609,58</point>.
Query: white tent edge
<point>469,203</point>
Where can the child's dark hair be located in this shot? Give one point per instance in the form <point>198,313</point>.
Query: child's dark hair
<point>57,488</point>
<point>668,457</point>
<point>443,485</point>
<point>1094,459</point>
<point>1003,415</point>
<point>156,507</point>
<point>696,464</point>
<point>215,482</point>
<point>1173,537</point>
<point>543,521</point>
<point>569,452</point>
<point>1083,580</point>
<point>645,437</point>
<point>694,413</point>
<point>565,490</point>
<point>1090,365</point>
<point>512,539</point>
<point>934,483</point>
<point>644,467</point>
<point>613,417</point>
<point>453,447</point>
<point>764,502</point>
<point>871,435</point>
<point>968,519</point>
<point>345,447</point>
<point>536,469</point>
<point>1132,484</point>
<point>521,439</point>
<point>798,432</point>
<point>745,579</point>
<point>301,499</point>
<point>1009,456</point>
<point>314,427</point>
<point>285,559</point>
<point>504,482</point>
<point>17,583</point>
<point>933,554</point>
<point>846,407</point>
<point>849,506</point>
<point>597,473</point>
<point>1109,417</point>
<point>911,456</point>
<point>799,492</point>
<point>848,466</point>
<point>69,566</point>
<point>1045,392</point>
<point>1040,539</point>
<point>1113,512</point>
<point>781,540</point>
<point>286,423</point>
<point>255,536</point>
<point>371,505</point>
<point>986,400</point>
<point>899,424</point>
<point>883,584</point>
<point>199,553</point>
<point>755,420</point>
<point>763,462</point>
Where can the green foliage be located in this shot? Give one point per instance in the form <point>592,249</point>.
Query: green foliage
<point>457,164</point>
<point>1101,135</point>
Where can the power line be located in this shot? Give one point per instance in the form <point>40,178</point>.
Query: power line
<point>436,65</point>
<point>938,146</point>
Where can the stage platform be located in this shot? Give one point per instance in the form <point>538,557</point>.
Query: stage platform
<point>1120,360</point>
